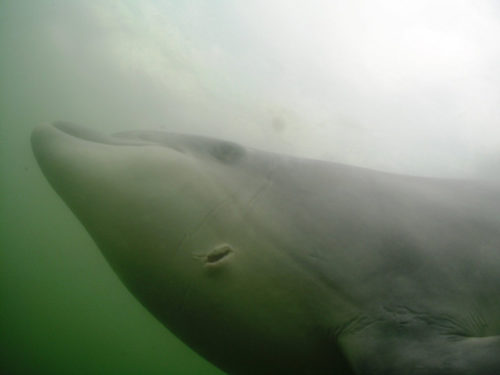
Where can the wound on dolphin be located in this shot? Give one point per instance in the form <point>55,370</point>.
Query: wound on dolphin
<point>218,253</point>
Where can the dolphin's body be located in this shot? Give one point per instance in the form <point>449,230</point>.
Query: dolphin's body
<point>269,264</point>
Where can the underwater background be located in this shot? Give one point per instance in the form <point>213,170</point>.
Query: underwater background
<point>62,309</point>
<point>403,86</point>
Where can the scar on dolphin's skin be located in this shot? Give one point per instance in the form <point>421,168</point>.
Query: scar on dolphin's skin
<point>216,255</point>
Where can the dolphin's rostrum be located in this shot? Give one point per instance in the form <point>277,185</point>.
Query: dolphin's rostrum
<point>270,264</point>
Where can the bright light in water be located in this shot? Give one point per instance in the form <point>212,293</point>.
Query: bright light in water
<point>409,86</point>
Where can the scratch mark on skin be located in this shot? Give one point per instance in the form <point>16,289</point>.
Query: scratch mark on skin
<point>357,323</point>
<point>264,186</point>
<point>471,326</point>
<point>203,220</point>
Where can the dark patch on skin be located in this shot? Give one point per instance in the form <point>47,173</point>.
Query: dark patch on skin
<point>228,152</point>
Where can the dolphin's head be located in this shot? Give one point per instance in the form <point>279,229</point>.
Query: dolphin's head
<point>186,223</point>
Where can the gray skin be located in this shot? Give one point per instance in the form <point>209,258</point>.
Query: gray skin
<point>270,264</point>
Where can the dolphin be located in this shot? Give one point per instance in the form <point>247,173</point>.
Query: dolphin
<point>271,264</point>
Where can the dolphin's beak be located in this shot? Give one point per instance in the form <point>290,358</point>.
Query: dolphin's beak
<point>42,137</point>
<point>60,147</point>
<point>77,161</point>
<point>52,146</point>
<point>93,173</point>
<point>70,152</point>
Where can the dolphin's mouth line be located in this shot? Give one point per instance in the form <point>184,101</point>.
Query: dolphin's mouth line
<point>85,134</point>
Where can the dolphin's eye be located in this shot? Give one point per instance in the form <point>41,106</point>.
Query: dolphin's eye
<point>228,152</point>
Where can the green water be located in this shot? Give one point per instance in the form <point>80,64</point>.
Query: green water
<point>62,309</point>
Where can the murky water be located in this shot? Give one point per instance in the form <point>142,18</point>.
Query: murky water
<point>402,86</point>
<point>62,309</point>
